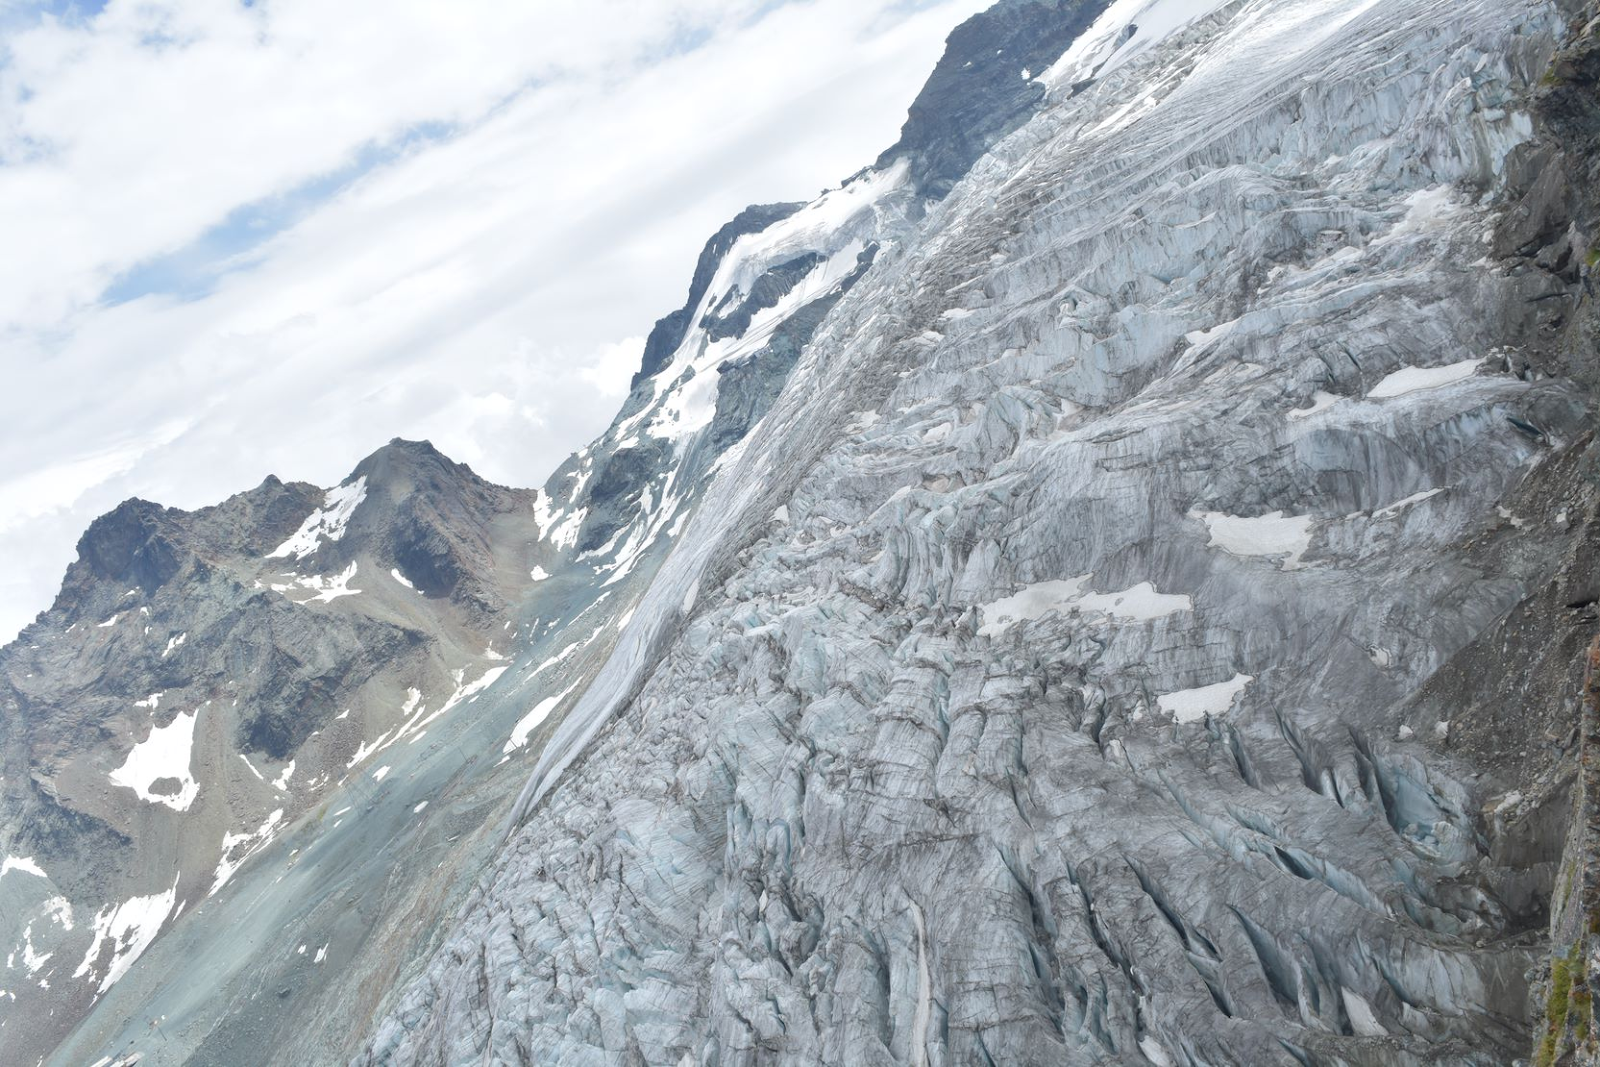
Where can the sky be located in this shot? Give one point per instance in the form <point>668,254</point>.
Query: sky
<point>265,237</point>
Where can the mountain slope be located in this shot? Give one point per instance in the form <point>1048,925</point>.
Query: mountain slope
<point>1103,585</point>
<point>206,678</point>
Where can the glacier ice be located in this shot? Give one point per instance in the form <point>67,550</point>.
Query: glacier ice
<point>882,780</point>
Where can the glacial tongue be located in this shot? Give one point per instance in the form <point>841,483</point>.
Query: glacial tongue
<point>1046,676</point>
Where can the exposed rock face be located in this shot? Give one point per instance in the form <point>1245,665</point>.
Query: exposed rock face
<point>984,86</point>
<point>1109,594</point>
<point>669,332</point>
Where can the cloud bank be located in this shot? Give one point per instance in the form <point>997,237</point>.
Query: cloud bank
<point>253,238</point>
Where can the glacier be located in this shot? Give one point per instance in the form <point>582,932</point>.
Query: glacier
<point>811,811</point>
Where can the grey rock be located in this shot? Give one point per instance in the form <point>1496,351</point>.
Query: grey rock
<point>983,86</point>
<point>195,689</point>
<point>668,333</point>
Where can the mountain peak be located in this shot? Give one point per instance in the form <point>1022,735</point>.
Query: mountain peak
<point>983,87</point>
<point>401,459</point>
<point>133,543</point>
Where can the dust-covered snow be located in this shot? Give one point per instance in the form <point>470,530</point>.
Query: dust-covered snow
<point>162,757</point>
<point>1192,705</point>
<point>1412,379</point>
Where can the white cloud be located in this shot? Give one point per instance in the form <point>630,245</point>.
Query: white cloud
<point>612,367</point>
<point>57,486</point>
<point>517,192</point>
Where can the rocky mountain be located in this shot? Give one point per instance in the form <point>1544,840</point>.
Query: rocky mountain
<point>1106,584</point>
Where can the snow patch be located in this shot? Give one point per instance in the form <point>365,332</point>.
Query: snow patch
<point>565,534</point>
<point>1141,602</point>
<point>538,574</point>
<point>1273,534</point>
<point>31,959</point>
<point>59,909</point>
<point>326,523</point>
<point>1103,48</point>
<point>236,848</point>
<point>165,754</point>
<point>130,927</point>
<point>530,722</point>
<point>174,644</point>
<point>467,693</point>
<point>282,781</point>
<point>1032,602</point>
<point>363,751</point>
<point>541,511</point>
<point>24,864</point>
<point>1192,705</point>
<point>1415,379</point>
<point>324,588</point>
<point>394,572</point>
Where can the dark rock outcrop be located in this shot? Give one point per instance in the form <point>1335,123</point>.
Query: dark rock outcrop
<point>668,332</point>
<point>983,87</point>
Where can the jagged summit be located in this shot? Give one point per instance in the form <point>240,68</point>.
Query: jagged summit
<point>127,544</point>
<point>403,465</point>
<point>145,545</point>
<point>984,86</point>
